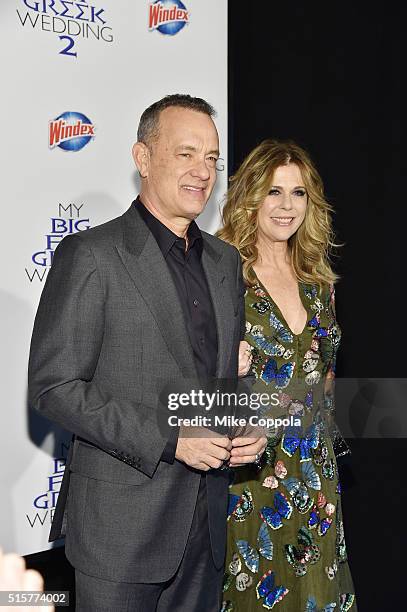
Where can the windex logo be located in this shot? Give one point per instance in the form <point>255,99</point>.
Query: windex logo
<point>70,131</point>
<point>167,16</point>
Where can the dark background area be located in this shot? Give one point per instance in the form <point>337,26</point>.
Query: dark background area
<point>332,78</point>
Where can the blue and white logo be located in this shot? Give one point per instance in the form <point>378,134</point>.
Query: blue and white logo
<point>167,16</point>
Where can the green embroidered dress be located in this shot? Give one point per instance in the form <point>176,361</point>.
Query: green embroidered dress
<point>286,547</point>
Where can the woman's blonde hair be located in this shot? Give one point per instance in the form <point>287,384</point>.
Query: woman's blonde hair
<point>311,245</point>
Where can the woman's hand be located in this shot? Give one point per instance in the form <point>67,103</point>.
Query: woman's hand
<point>245,358</point>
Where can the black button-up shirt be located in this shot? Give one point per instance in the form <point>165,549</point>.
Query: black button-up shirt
<point>190,281</point>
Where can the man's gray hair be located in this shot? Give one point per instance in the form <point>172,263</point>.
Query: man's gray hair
<point>148,128</point>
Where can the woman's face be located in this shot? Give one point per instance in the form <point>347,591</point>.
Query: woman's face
<point>283,210</point>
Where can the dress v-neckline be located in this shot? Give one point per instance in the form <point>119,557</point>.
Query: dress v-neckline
<point>301,294</point>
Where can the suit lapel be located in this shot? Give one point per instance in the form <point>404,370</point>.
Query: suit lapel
<point>148,269</point>
<point>146,265</point>
<point>219,288</point>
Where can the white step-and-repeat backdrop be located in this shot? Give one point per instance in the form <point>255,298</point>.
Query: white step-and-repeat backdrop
<point>75,77</point>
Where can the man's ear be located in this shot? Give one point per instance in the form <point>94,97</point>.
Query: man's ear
<point>141,156</point>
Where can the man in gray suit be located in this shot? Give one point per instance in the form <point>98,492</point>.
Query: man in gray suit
<point>129,306</point>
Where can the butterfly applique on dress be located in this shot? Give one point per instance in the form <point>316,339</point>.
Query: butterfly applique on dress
<point>282,509</point>
<point>281,332</point>
<point>270,452</point>
<point>331,570</point>
<point>311,606</point>
<point>233,500</point>
<point>281,377</point>
<point>267,590</point>
<point>239,507</point>
<point>242,579</point>
<point>262,307</point>
<point>340,543</point>
<point>280,471</point>
<point>310,291</point>
<point>347,601</point>
<point>321,458</point>
<point>272,349</point>
<point>293,441</point>
<point>251,555</point>
<point>315,324</point>
<point>306,553</point>
<point>315,521</point>
<point>298,489</point>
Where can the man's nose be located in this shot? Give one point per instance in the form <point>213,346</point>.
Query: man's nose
<point>201,170</point>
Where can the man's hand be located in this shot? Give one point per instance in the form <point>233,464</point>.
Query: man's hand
<point>205,451</point>
<point>246,450</point>
<point>15,577</point>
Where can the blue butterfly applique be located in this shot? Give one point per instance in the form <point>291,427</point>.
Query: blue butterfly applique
<point>292,441</point>
<point>281,376</point>
<point>282,334</point>
<point>311,476</point>
<point>309,398</point>
<point>272,349</point>
<point>267,590</point>
<point>311,606</point>
<point>310,291</point>
<point>316,521</point>
<point>298,489</point>
<point>315,324</point>
<point>282,509</point>
<point>233,500</point>
<point>243,507</point>
<point>251,555</point>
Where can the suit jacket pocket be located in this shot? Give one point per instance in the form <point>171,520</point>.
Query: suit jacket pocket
<point>93,462</point>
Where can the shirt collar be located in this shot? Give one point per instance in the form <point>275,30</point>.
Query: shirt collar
<point>165,237</point>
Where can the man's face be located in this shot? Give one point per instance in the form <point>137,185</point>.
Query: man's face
<point>180,169</point>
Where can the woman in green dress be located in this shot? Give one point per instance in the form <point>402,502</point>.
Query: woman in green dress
<point>286,547</point>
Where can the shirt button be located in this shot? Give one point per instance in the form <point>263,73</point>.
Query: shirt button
<point>195,302</point>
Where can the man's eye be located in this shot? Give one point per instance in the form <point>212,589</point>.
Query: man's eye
<point>185,155</point>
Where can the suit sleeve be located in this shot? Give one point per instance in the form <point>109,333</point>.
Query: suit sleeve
<point>168,454</point>
<point>244,383</point>
<point>65,347</point>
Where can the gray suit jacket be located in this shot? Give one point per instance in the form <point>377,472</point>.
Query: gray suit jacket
<point>109,332</point>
